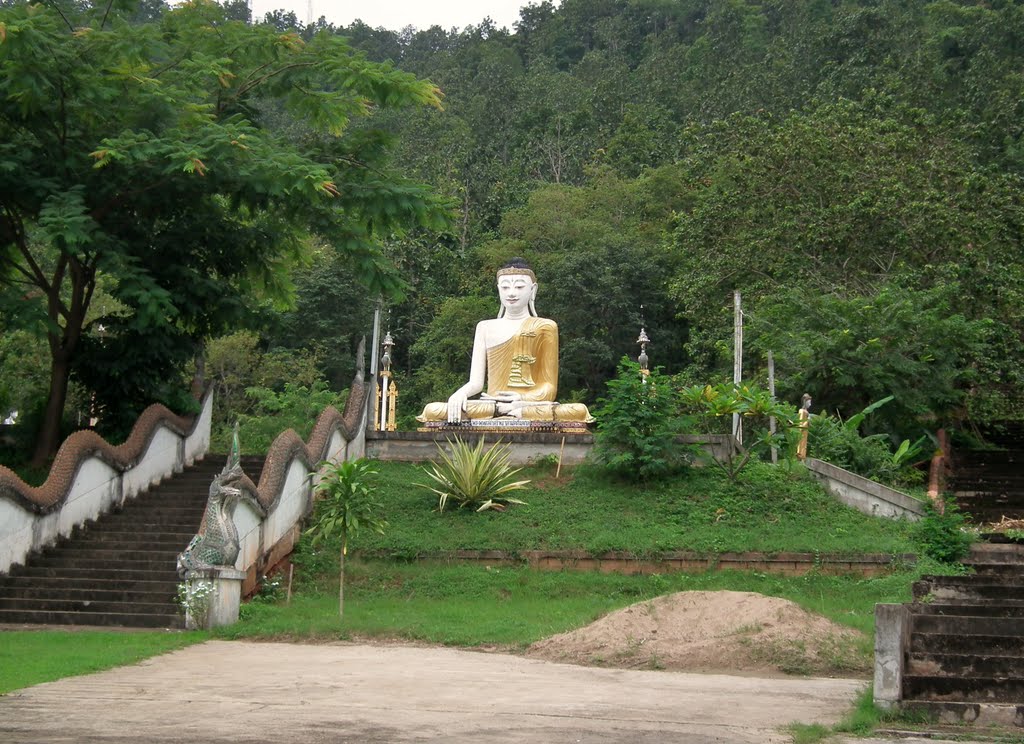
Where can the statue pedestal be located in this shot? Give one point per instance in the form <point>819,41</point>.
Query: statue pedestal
<point>211,597</point>
<point>526,445</point>
<point>506,426</point>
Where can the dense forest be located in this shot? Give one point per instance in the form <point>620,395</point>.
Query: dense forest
<point>853,167</point>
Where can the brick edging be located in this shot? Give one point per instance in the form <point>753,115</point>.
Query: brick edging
<point>793,564</point>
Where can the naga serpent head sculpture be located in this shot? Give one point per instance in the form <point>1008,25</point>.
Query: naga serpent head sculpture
<point>216,543</point>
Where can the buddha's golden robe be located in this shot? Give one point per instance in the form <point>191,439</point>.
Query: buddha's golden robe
<point>526,364</point>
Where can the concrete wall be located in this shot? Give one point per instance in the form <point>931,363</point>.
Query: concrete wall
<point>863,494</point>
<point>892,641</point>
<point>90,477</point>
<point>269,525</point>
<point>419,446</point>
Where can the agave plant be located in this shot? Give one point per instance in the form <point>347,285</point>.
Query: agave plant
<point>473,477</point>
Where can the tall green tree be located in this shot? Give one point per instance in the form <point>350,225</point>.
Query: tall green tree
<point>603,267</point>
<point>854,202</point>
<point>153,154</point>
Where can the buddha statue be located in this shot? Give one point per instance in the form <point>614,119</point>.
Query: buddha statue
<point>517,354</point>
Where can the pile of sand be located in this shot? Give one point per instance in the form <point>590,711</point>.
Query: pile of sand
<point>725,632</point>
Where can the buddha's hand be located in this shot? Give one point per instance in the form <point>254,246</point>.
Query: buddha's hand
<point>456,407</point>
<point>506,403</point>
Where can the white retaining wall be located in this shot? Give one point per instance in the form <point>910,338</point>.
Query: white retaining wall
<point>263,540</point>
<point>863,494</point>
<point>96,488</point>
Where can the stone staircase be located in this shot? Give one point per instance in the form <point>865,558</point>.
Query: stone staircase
<point>121,569</point>
<point>965,663</point>
<point>966,654</point>
<point>988,484</point>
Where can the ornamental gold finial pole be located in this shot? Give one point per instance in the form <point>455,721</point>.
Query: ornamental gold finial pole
<point>643,340</point>
<point>388,393</point>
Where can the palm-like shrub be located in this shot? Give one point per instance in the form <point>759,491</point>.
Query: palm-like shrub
<point>346,502</point>
<point>473,477</point>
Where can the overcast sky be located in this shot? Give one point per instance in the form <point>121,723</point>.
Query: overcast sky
<point>397,14</point>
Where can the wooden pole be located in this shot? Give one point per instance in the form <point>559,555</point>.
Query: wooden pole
<point>561,452</point>
<point>291,574</point>
<point>771,391</point>
<point>737,359</point>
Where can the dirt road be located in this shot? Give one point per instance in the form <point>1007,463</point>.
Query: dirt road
<point>255,692</point>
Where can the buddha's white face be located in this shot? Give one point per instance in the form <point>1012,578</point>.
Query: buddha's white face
<point>515,292</point>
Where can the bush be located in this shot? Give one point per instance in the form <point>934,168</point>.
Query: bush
<point>714,407</point>
<point>236,363</point>
<point>638,425</point>
<point>943,535</point>
<point>296,407</point>
<point>841,444</point>
<point>831,440</point>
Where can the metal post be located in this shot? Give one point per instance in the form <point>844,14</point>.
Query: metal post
<point>376,336</point>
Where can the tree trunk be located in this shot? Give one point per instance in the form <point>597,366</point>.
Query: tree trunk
<point>341,577</point>
<point>48,439</point>
<point>63,344</point>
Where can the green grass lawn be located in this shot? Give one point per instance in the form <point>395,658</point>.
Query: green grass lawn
<point>475,605</point>
<point>770,509</point>
<point>30,657</point>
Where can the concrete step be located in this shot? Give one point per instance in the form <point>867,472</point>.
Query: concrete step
<point>1002,552</point>
<point>967,626</point>
<point>133,528</point>
<point>127,541</point>
<point>983,608</point>
<point>1002,570</point>
<point>1009,489</point>
<point>162,572</point>
<point>994,515</point>
<point>126,620</point>
<point>964,665</point>
<point>88,594</point>
<point>964,689</point>
<point>71,554</point>
<point>995,456</point>
<point>163,513</point>
<point>954,643</point>
<point>991,500</point>
<point>988,498</point>
<point>984,488</point>
<point>149,524</point>
<point>966,589</point>
<point>181,495</point>
<point>982,462</point>
<point>31,604</point>
<point>167,586</point>
<point>979,716</point>
<point>64,563</point>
